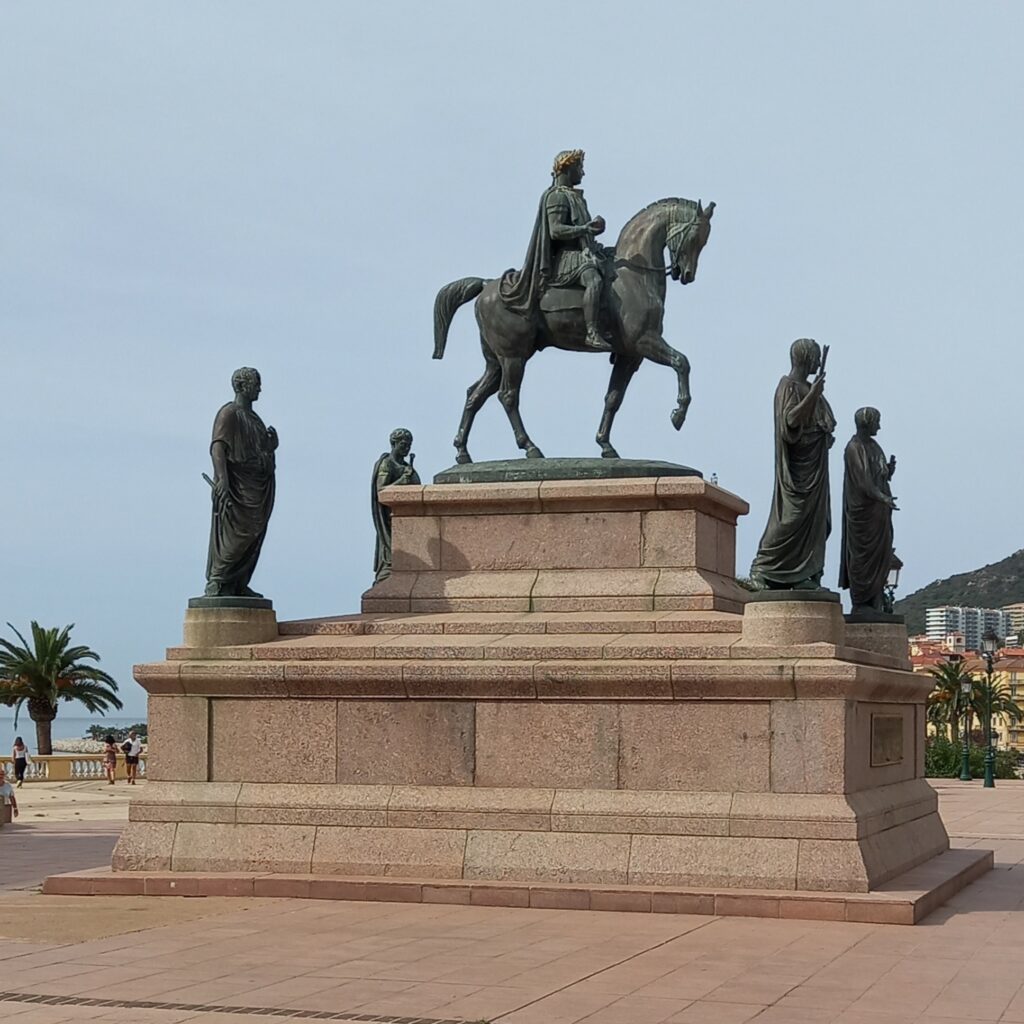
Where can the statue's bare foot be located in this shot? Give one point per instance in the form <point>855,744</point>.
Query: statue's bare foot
<point>249,592</point>
<point>533,452</point>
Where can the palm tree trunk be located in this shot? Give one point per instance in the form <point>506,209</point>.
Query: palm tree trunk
<point>42,712</point>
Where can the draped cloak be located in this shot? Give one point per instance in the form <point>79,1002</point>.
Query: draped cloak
<point>867,523</point>
<point>386,471</point>
<point>521,290</point>
<point>238,528</point>
<point>792,549</point>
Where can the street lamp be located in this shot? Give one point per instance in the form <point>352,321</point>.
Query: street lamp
<point>891,583</point>
<point>989,646</point>
<point>966,684</point>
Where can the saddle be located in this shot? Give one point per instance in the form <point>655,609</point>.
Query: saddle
<point>562,300</point>
<point>565,298</point>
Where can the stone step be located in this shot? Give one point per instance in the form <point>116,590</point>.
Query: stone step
<point>906,900</point>
<point>516,622</point>
<point>517,647</point>
<point>231,672</point>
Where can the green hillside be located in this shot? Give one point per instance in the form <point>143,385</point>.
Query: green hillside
<point>992,586</point>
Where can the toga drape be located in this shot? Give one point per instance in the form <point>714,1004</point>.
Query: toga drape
<point>867,523</point>
<point>792,549</point>
<point>386,471</point>
<point>239,526</point>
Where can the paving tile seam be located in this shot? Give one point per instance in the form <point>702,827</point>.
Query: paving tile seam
<point>612,966</point>
<point>261,1011</point>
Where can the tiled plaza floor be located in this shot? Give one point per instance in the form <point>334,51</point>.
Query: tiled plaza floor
<point>370,961</point>
<point>31,851</point>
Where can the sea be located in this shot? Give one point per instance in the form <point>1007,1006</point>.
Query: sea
<point>69,728</point>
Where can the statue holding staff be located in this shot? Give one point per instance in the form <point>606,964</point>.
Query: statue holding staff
<point>868,506</point>
<point>791,555</point>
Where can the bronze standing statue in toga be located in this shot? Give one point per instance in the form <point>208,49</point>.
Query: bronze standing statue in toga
<point>868,505</point>
<point>791,555</point>
<point>242,451</point>
<point>391,469</point>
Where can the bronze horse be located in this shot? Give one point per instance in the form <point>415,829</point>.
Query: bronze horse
<point>634,309</point>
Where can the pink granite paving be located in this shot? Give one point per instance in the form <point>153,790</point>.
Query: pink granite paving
<point>409,962</point>
<point>30,851</point>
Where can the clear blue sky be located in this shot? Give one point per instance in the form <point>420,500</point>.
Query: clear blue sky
<point>192,186</point>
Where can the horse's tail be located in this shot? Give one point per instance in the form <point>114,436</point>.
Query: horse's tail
<point>448,300</point>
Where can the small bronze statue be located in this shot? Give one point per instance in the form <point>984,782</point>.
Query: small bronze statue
<point>791,555</point>
<point>389,470</point>
<point>868,505</point>
<point>242,487</point>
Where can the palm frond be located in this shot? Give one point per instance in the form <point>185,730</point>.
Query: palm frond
<point>51,670</point>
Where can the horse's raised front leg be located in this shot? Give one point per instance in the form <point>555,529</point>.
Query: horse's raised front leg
<point>655,348</point>
<point>622,374</point>
<point>508,394</point>
<point>476,395</point>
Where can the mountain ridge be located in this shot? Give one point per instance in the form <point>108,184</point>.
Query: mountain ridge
<point>992,586</point>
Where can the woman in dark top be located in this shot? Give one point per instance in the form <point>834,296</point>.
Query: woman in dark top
<point>19,755</point>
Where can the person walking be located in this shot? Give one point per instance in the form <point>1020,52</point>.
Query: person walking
<point>131,756</point>
<point>109,758</point>
<point>19,755</point>
<point>7,792</point>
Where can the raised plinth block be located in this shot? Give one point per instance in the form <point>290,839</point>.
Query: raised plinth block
<point>228,621</point>
<point>793,618</point>
<point>635,544</point>
<point>880,633</point>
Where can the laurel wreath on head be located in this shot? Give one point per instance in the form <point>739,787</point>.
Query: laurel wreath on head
<point>567,158</point>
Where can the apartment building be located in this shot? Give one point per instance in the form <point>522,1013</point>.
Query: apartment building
<point>973,623</point>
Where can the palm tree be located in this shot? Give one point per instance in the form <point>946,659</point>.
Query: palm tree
<point>1003,705</point>
<point>944,701</point>
<point>48,672</point>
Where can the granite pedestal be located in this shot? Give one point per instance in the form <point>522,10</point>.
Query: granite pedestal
<point>560,689</point>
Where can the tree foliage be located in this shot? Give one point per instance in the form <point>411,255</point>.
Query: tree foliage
<point>48,672</point>
<point>942,760</point>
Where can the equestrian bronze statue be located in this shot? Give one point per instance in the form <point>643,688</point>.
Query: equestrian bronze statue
<point>575,294</point>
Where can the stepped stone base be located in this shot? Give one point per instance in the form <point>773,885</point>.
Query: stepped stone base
<point>827,842</point>
<point>717,746</point>
<point>907,899</point>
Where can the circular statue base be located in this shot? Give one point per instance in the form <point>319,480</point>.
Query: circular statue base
<point>230,602</point>
<point>875,618</point>
<point>229,621</point>
<point>528,470</point>
<point>773,595</point>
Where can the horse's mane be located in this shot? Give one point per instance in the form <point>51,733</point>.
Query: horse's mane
<point>669,201</point>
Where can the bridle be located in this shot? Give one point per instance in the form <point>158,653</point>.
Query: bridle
<point>676,228</point>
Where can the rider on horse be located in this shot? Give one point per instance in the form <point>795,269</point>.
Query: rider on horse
<point>563,252</point>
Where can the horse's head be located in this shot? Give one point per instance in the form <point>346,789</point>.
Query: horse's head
<point>685,240</point>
